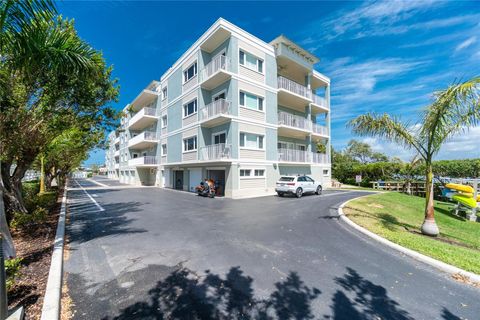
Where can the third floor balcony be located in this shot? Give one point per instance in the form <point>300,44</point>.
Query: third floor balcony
<point>293,94</point>
<point>216,72</point>
<point>290,125</point>
<point>215,113</point>
<point>143,119</point>
<point>143,140</point>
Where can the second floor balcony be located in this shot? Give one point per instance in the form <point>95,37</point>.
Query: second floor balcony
<point>301,156</point>
<point>216,72</point>
<point>319,103</point>
<point>221,151</point>
<point>291,125</point>
<point>215,113</point>
<point>143,119</point>
<point>319,130</point>
<point>146,161</point>
<point>143,140</point>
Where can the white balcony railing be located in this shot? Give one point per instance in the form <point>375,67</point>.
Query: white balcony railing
<point>319,158</point>
<point>144,136</point>
<point>321,101</point>
<point>291,120</point>
<point>219,151</point>
<point>116,153</point>
<point>292,86</point>
<point>217,107</point>
<point>320,129</point>
<point>147,160</point>
<point>217,64</point>
<point>147,111</point>
<point>293,155</point>
<point>117,140</point>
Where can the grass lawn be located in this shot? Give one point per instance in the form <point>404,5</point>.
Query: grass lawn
<point>398,217</point>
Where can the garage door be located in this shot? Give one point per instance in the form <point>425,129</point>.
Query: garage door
<point>195,178</point>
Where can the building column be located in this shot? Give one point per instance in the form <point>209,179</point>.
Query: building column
<point>327,119</point>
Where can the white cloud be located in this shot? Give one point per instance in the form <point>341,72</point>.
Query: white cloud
<point>465,44</point>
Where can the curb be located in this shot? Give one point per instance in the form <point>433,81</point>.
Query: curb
<point>445,267</point>
<point>53,292</point>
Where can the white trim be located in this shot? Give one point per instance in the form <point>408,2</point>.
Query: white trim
<point>219,133</point>
<point>253,94</point>
<point>195,62</point>
<point>224,91</point>
<point>249,148</point>
<point>183,144</point>
<point>186,103</point>
<point>233,29</point>
<point>245,52</point>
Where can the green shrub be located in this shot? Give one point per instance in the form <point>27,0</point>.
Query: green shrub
<point>89,175</point>
<point>46,200</point>
<point>12,270</point>
<point>21,220</point>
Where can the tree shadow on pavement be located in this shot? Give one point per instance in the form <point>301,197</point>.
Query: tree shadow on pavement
<point>89,223</point>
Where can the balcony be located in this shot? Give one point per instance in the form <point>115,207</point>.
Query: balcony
<point>215,113</point>
<point>143,140</point>
<point>319,104</point>
<point>116,166</point>
<point>116,153</point>
<point>290,125</point>
<point>293,155</point>
<point>148,161</point>
<point>293,94</point>
<point>319,130</point>
<point>150,93</point>
<point>142,119</point>
<point>215,72</point>
<point>320,158</point>
<point>116,140</point>
<point>219,151</point>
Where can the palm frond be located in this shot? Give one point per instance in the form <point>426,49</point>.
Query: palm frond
<point>455,110</point>
<point>388,128</point>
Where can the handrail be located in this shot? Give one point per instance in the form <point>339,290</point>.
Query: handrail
<point>218,63</point>
<point>291,120</point>
<point>216,152</point>
<point>215,108</point>
<point>292,86</point>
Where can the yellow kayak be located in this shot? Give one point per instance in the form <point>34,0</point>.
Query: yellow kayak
<point>470,195</point>
<point>466,201</point>
<point>460,187</point>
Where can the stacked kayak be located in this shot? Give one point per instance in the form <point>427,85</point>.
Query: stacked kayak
<point>462,194</point>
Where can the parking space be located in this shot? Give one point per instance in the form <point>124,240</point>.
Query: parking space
<point>153,253</point>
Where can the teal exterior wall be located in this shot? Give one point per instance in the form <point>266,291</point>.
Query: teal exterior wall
<point>271,71</point>
<point>174,114</point>
<point>174,145</point>
<point>271,144</point>
<point>174,84</point>
<point>271,114</point>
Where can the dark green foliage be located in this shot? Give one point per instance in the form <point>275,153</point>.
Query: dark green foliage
<point>12,269</point>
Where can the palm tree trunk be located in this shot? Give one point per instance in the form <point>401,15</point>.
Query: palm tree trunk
<point>429,227</point>
<point>42,175</point>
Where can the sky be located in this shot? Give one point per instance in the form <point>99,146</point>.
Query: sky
<point>381,56</point>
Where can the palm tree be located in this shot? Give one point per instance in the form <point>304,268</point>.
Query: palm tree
<point>453,111</point>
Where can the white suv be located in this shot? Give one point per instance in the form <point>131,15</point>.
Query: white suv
<point>297,186</point>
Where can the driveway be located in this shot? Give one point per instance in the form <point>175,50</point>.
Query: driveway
<point>147,253</point>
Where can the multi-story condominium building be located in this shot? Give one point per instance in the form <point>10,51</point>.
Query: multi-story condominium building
<point>232,108</point>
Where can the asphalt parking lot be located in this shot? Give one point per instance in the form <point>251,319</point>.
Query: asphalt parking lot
<point>162,254</point>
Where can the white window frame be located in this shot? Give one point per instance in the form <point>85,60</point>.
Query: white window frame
<point>252,94</point>
<point>196,108</point>
<point>252,173</point>
<point>219,133</point>
<point>244,143</point>
<point>186,69</point>
<point>245,52</point>
<point>164,121</point>
<point>161,149</point>
<point>224,91</point>
<point>164,93</point>
<point>195,144</point>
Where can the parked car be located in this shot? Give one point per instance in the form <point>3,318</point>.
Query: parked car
<point>297,185</point>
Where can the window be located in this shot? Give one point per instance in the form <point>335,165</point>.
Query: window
<point>301,179</point>
<point>135,155</point>
<point>251,101</point>
<point>325,172</point>
<point>250,61</point>
<point>245,172</point>
<point>190,108</point>
<point>190,72</point>
<point>190,144</point>
<point>308,179</point>
<point>164,121</point>
<point>250,140</point>
<point>259,172</point>
<point>164,93</point>
<point>164,149</point>
<point>219,138</point>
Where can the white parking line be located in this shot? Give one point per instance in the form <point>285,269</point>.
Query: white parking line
<point>98,183</point>
<point>100,208</point>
